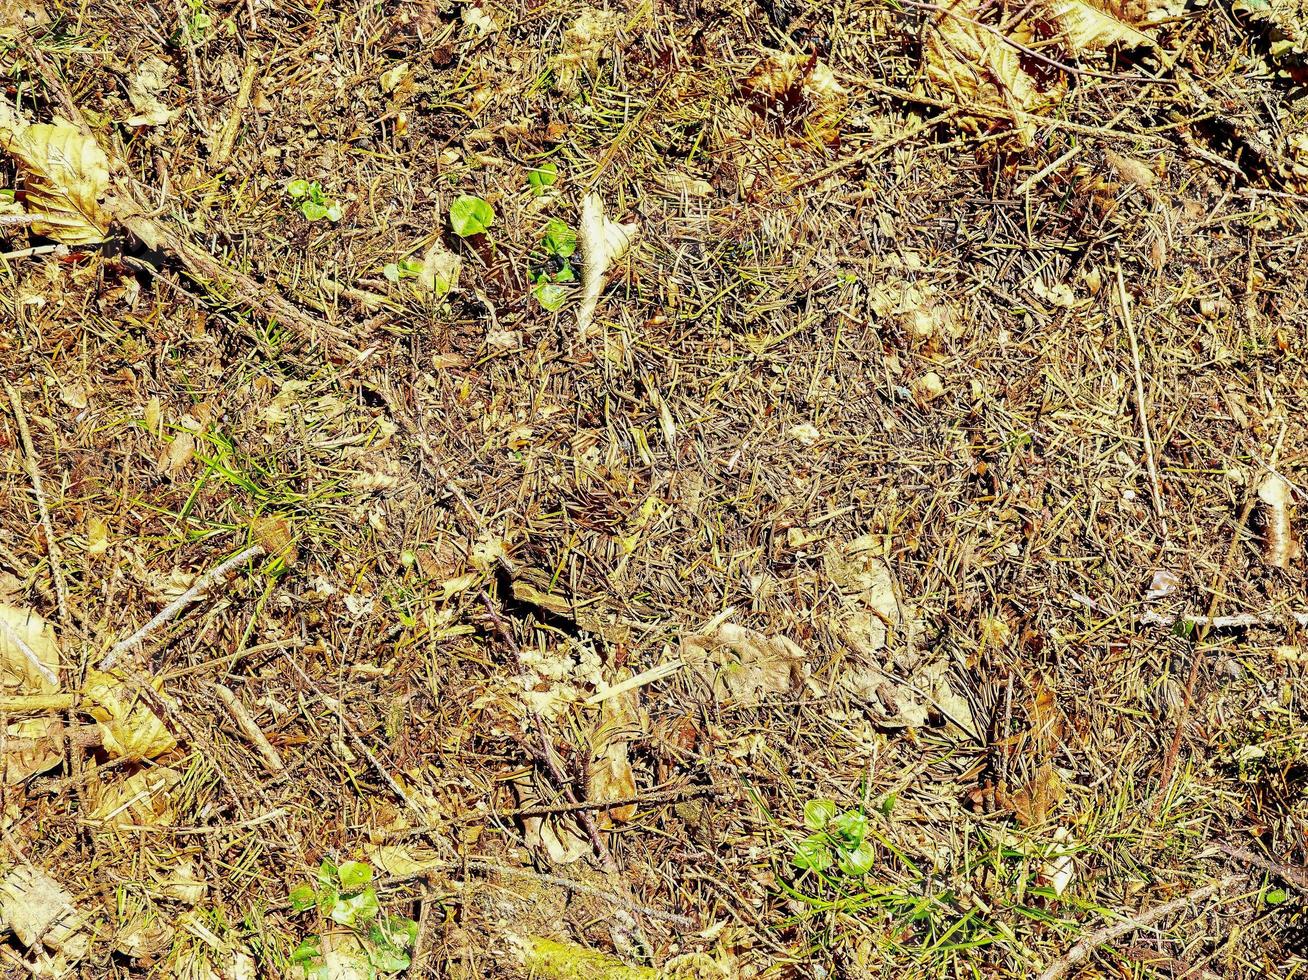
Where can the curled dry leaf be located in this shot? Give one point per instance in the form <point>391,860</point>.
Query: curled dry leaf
<point>29,656</point>
<point>603,242</point>
<point>611,776</point>
<point>130,729</point>
<point>744,665</point>
<point>34,746</point>
<point>152,78</point>
<point>1281,548</point>
<point>586,42</point>
<point>64,176</point>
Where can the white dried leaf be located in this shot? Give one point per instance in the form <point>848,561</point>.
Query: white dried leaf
<point>744,665</point>
<point>152,78</point>
<point>29,656</point>
<point>41,913</point>
<point>603,242</point>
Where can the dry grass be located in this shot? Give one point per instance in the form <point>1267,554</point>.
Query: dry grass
<point>754,402</point>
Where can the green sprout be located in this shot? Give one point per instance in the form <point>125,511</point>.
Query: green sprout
<point>344,894</point>
<point>403,269</point>
<point>470,216</point>
<point>543,177</point>
<point>551,267</point>
<point>839,839</point>
<point>314,202</point>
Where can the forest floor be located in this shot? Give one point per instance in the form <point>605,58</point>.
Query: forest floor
<point>896,575</point>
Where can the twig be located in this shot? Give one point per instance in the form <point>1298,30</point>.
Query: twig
<point>1295,876</point>
<point>1082,950</point>
<point>34,474</point>
<point>1142,407</point>
<point>1237,621</point>
<point>670,796</point>
<point>272,760</point>
<point>174,609</point>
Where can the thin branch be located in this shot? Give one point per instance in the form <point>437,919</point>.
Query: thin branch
<point>34,474</point>
<point>1082,950</point>
<point>174,609</point>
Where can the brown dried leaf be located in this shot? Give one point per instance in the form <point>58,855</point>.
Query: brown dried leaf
<point>611,776</point>
<point>744,665</point>
<point>41,749</point>
<point>129,727</point>
<point>1094,26</point>
<point>64,174</point>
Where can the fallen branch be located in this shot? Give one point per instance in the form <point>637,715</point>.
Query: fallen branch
<point>1237,621</point>
<point>174,609</point>
<point>1082,950</point>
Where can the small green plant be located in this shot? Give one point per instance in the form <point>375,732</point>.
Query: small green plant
<point>344,895</point>
<point>403,269</point>
<point>543,177</point>
<point>314,202</point>
<point>552,266</point>
<point>470,216</point>
<point>838,838</point>
<point>197,24</point>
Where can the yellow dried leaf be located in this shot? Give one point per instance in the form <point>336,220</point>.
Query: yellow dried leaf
<point>1095,26</point>
<point>97,537</point>
<point>64,174</point>
<point>142,798</point>
<point>603,242</point>
<point>29,656</point>
<point>41,913</point>
<point>129,727</point>
<point>972,65</point>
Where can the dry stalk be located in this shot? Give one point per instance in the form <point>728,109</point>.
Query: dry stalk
<point>1082,950</point>
<point>1142,406</point>
<point>34,474</point>
<point>175,608</point>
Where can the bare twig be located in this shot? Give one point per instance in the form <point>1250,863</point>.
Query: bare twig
<point>1141,405</point>
<point>1297,876</point>
<point>1082,950</point>
<point>272,759</point>
<point>1236,621</point>
<point>174,609</point>
<point>34,474</point>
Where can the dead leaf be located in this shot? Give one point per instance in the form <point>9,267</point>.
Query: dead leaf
<point>152,79</point>
<point>587,41</point>
<point>97,537</point>
<point>29,656</point>
<point>130,729</point>
<point>142,799</point>
<point>603,242</point>
<point>744,665</point>
<point>41,914</point>
<point>64,176</point>
<point>177,455</point>
<point>35,745</point>
<point>440,271</point>
<point>1094,26</point>
<point>185,883</point>
<point>611,776</point>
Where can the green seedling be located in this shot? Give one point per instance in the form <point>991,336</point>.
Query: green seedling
<point>404,269</point>
<point>470,216</point>
<point>543,177</point>
<point>838,838</point>
<point>552,265</point>
<point>197,24</point>
<point>314,203</point>
<point>343,894</point>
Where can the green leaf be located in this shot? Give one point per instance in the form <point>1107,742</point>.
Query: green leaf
<point>388,960</point>
<point>887,806</point>
<point>304,897</point>
<point>391,271</point>
<point>309,949</point>
<point>550,296</point>
<point>354,875</point>
<point>543,176</point>
<point>470,216</point>
<point>812,854</point>
<point>848,829</point>
<point>1275,896</point>
<point>327,873</point>
<point>818,813</point>
<point>312,210</point>
<point>297,188</point>
<point>334,212</point>
<point>559,239</point>
<point>859,861</point>
<point>565,274</point>
<point>357,910</point>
